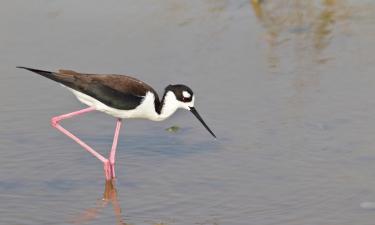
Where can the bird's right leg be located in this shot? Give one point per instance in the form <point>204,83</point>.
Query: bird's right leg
<point>112,153</point>
<point>55,123</point>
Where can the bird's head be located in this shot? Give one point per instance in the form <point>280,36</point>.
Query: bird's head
<point>181,96</point>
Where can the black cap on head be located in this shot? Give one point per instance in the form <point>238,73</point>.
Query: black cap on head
<point>182,92</point>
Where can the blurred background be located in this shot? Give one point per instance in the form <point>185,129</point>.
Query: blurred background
<point>286,85</point>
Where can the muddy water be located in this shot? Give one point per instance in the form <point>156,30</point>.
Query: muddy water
<point>286,85</point>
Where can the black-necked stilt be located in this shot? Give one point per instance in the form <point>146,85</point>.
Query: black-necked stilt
<point>122,97</point>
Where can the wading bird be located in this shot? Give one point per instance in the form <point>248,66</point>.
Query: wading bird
<point>122,97</point>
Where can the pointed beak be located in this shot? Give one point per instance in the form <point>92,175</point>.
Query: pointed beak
<point>196,114</point>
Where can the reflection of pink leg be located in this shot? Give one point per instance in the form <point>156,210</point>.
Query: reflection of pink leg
<point>112,154</point>
<point>55,123</point>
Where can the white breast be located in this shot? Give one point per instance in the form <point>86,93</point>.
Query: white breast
<point>146,110</point>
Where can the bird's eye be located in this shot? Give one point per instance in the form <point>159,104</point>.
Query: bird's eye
<point>184,99</point>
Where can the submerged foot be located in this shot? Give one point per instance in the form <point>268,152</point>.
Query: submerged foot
<point>109,171</point>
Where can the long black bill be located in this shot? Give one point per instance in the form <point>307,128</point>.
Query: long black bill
<point>196,114</point>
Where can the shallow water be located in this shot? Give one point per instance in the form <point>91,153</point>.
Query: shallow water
<point>287,86</point>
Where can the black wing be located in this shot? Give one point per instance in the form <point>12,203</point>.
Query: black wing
<point>117,91</point>
<point>110,96</point>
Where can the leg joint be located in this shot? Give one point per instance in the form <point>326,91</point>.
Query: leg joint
<point>54,121</point>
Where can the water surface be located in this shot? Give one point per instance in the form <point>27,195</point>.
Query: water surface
<point>286,85</point>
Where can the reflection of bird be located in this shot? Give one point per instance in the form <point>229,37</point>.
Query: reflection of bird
<point>109,197</point>
<point>122,97</point>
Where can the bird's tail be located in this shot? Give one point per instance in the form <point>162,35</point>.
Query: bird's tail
<point>65,79</point>
<point>44,73</point>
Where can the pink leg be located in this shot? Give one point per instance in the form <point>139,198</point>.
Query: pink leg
<point>112,154</point>
<point>55,123</point>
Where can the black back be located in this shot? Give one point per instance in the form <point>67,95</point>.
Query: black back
<point>117,91</point>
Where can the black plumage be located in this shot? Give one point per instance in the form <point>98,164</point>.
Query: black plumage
<point>116,91</point>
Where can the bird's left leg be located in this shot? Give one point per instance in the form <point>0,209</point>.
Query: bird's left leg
<point>55,123</point>
<point>112,154</point>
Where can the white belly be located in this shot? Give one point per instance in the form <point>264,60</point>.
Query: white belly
<point>146,110</point>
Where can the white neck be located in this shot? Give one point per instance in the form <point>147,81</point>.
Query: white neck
<point>170,105</point>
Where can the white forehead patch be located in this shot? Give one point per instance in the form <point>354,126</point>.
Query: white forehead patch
<point>186,94</point>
